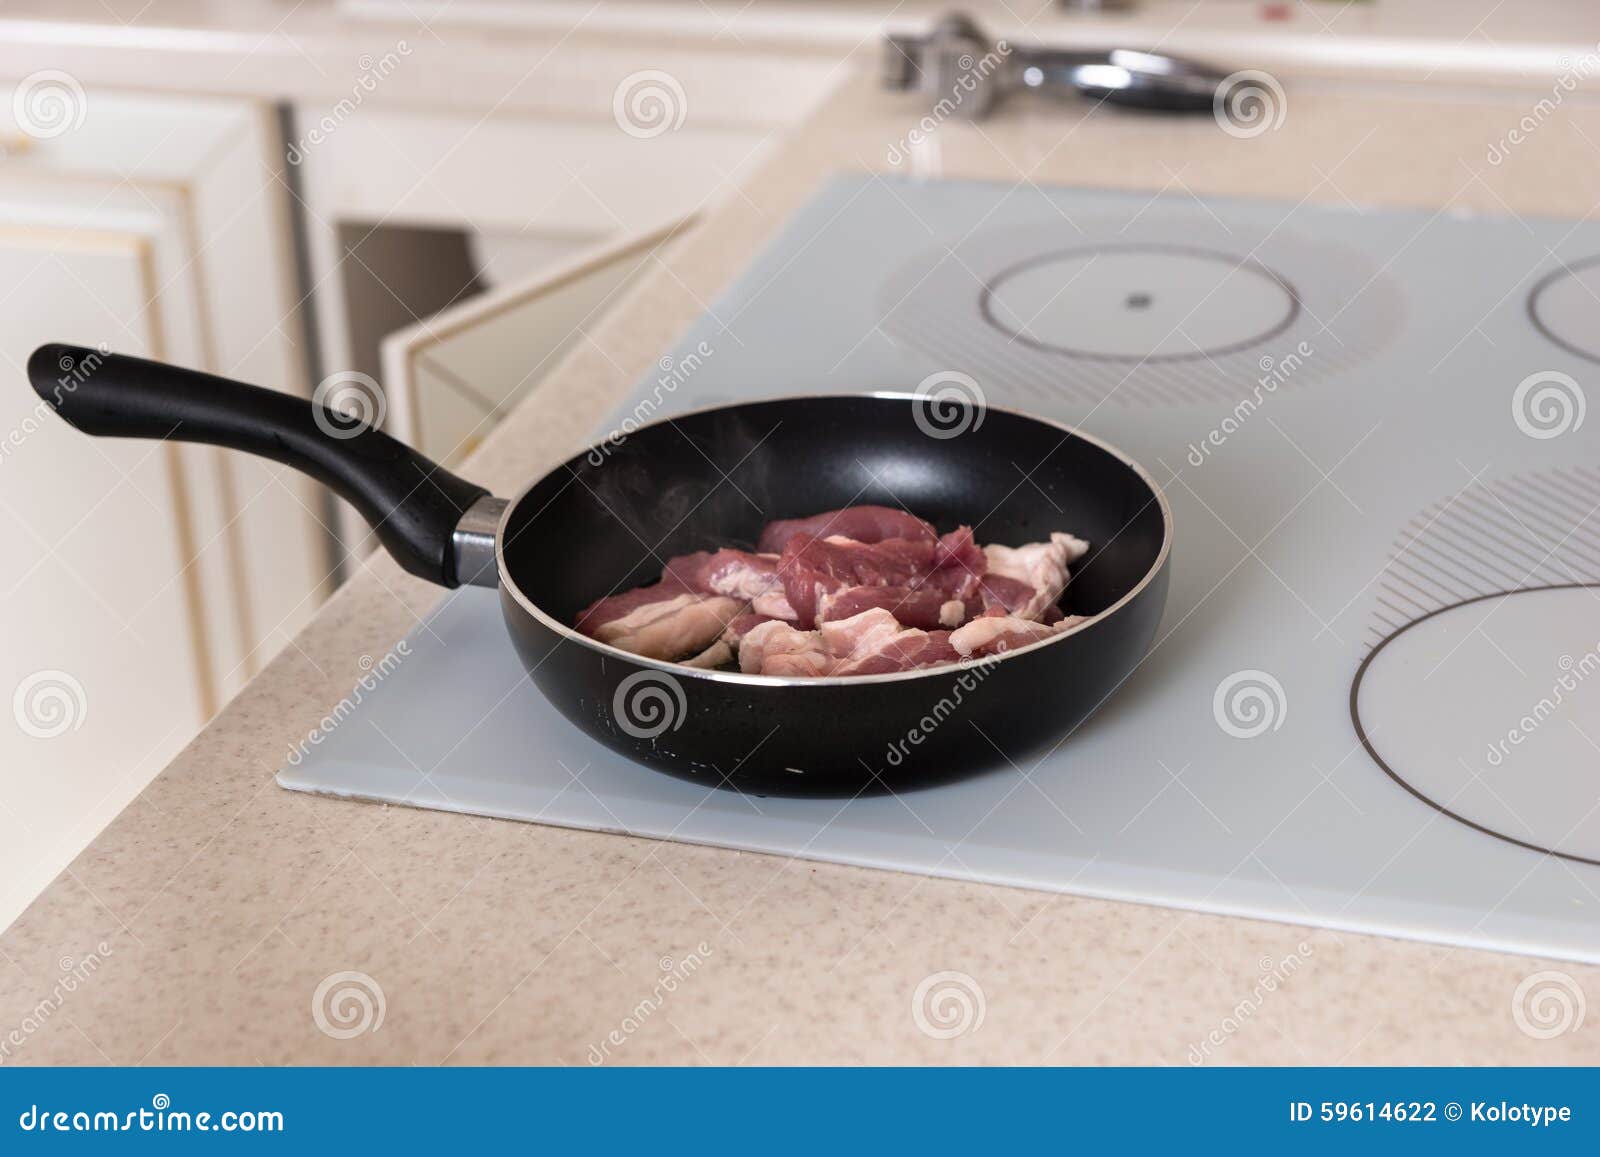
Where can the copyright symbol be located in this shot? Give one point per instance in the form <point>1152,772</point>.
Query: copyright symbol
<point>1452,1112</point>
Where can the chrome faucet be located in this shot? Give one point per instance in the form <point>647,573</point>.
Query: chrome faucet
<point>957,55</point>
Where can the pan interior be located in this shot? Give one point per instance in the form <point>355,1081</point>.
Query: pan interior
<point>607,520</point>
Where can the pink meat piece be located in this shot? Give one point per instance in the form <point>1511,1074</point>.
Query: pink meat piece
<point>812,567</point>
<point>912,606</point>
<point>871,643</point>
<point>751,577</point>
<point>902,596</point>
<point>613,607</point>
<point>663,621</point>
<point>996,634</point>
<point>776,648</point>
<point>909,650</point>
<point>1000,595</point>
<point>861,523</point>
<point>1043,566</point>
<point>959,552</point>
<point>742,625</point>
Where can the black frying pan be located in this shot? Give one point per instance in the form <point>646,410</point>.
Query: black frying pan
<point>605,521</point>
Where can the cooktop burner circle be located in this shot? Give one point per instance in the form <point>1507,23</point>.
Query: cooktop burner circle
<point>1478,709</point>
<point>1139,302</point>
<point>1564,305</point>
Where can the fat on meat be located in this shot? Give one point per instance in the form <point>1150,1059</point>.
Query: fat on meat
<point>740,574</point>
<point>814,567</point>
<point>871,643</point>
<point>996,634</point>
<point>671,625</point>
<point>860,523</point>
<point>1043,566</point>
<point>864,590</point>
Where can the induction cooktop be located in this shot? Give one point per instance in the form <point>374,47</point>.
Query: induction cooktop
<point>1374,701</point>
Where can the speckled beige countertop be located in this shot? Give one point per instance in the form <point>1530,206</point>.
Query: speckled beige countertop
<point>222,901</point>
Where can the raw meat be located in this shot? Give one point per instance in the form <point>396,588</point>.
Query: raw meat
<point>864,590</point>
<point>861,523</point>
<point>871,643</point>
<point>813,568</point>
<point>997,634</point>
<point>669,626</point>
<point>912,606</point>
<point>752,578</point>
<point>1040,565</point>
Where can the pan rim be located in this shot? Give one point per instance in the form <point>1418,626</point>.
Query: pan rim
<point>679,670</point>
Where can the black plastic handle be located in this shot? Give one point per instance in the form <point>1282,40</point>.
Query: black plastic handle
<point>413,504</point>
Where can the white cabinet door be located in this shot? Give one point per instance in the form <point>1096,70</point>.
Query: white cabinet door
<point>450,378</point>
<point>144,582</point>
<point>105,665</point>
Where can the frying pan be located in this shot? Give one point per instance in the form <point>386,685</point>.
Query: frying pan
<point>606,519</point>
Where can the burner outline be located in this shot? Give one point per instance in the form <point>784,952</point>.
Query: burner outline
<point>1366,742</point>
<point>1544,283</point>
<point>986,301</point>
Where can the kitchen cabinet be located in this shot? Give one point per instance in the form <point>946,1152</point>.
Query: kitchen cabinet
<point>145,582</point>
<point>450,378</point>
<point>603,142</point>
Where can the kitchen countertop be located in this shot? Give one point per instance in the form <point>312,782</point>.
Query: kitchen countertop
<point>222,901</point>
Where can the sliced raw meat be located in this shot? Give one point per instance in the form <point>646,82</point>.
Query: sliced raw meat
<point>1040,565</point>
<point>860,635</point>
<point>776,648</point>
<point>813,567</point>
<point>957,551</point>
<point>996,634</point>
<point>864,590</point>
<point>861,523</point>
<point>912,606</point>
<point>738,574</point>
<point>742,625</point>
<point>871,643</point>
<point>611,608</point>
<point>906,651</point>
<point>1002,595</point>
<point>670,626</point>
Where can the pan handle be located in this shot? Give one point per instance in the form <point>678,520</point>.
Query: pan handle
<point>413,504</point>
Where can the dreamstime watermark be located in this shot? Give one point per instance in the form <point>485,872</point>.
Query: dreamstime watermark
<point>373,72</point>
<point>1573,673</point>
<point>648,103</point>
<point>648,704</point>
<point>373,672</point>
<point>948,404</point>
<point>49,703</point>
<point>674,372</point>
<point>674,974</point>
<point>948,1004</point>
<point>74,372</point>
<point>1249,703</point>
<point>48,103</point>
<point>972,75</point>
<point>1572,74</point>
<point>1548,404</point>
<point>347,403</point>
<point>74,974</point>
<point>159,1117</point>
<point>1273,974</point>
<point>968,681</point>
<point>1248,103</point>
<point>348,1004</point>
<point>1274,373</point>
<point>1548,1004</point>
